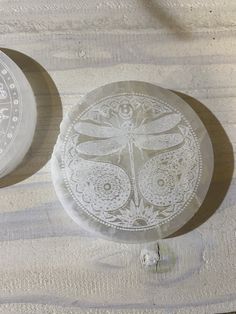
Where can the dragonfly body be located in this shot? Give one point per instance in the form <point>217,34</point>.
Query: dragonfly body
<point>109,139</point>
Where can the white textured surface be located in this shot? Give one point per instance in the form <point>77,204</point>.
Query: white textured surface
<point>47,264</point>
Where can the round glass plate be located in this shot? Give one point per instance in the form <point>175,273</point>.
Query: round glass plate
<point>133,162</point>
<point>17,115</point>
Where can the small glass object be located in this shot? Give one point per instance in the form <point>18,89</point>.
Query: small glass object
<point>133,162</point>
<point>17,115</point>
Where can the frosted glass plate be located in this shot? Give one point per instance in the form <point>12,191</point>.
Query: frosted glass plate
<point>17,115</point>
<point>133,162</point>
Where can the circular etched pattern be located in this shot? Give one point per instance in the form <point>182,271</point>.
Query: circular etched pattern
<point>170,178</point>
<point>129,164</point>
<point>17,115</point>
<point>120,134</point>
<point>157,185</point>
<point>10,107</point>
<point>99,186</point>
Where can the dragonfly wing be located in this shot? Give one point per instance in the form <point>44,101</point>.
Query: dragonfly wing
<point>158,142</point>
<point>95,130</point>
<point>102,147</point>
<point>159,125</point>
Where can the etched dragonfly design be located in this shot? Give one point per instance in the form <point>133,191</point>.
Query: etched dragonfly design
<point>150,135</point>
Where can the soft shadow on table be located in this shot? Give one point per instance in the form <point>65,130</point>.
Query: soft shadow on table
<point>164,16</point>
<point>49,115</point>
<point>223,165</point>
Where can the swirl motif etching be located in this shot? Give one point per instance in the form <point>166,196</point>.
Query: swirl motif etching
<point>131,161</point>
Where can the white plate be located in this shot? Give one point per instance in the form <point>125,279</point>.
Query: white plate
<point>17,115</point>
<point>132,163</point>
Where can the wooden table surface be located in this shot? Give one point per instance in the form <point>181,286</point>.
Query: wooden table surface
<point>66,48</point>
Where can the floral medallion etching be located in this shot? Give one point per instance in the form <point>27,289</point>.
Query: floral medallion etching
<point>10,108</point>
<point>131,161</point>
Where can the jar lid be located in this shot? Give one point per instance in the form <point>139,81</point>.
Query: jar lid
<point>133,162</point>
<point>17,115</point>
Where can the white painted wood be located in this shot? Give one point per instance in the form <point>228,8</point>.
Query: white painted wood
<point>48,264</point>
